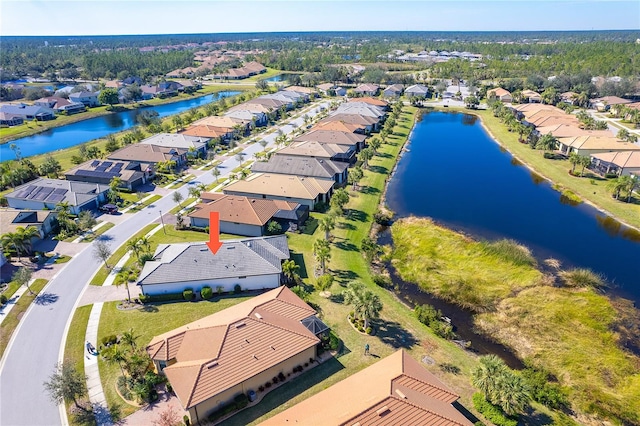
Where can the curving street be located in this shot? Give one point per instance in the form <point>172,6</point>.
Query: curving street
<point>38,343</point>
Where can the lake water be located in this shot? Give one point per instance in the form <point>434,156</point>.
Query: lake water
<point>281,77</point>
<point>456,174</point>
<point>98,127</point>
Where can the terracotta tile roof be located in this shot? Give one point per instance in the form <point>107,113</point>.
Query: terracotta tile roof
<point>393,391</point>
<point>331,136</point>
<point>216,121</point>
<point>300,89</point>
<point>326,86</point>
<point>595,142</point>
<point>224,349</point>
<point>624,159</point>
<point>340,126</point>
<point>367,87</point>
<point>206,131</point>
<point>528,109</point>
<point>612,100</point>
<point>240,209</point>
<point>281,185</point>
<point>146,153</point>
<point>371,101</point>
<point>498,92</point>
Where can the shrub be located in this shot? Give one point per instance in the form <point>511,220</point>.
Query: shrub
<point>443,329</point>
<point>450,368</point>
<point>149,298</point>
<point>281,377</point>
<point>427,314</point>
<point>610,175</point>
<point>549,155</point>
<point>544,388</point>
<point>188,295</point>
<point>239,402</point>
<point>261,388</point>
<point>237,289</point>
<point>3,299</point>
<point>206,293</point>
<point>382,280</point>
<point>185,420</point>
<point>383,217</point>
<point>109,340</point>
<point>582,277</point>
<point>275,380</point>
<point>220,290</point>
<point>267,385</point>
<point>493,413</point>
<point>274,228</point>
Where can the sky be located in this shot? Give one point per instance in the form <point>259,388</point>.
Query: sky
<point>100,17</point>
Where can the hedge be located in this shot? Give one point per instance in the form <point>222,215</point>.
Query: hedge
<point>491,412</point>
<point>239,402</point>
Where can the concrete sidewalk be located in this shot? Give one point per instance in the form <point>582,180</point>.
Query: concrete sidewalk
<point>12,302</point>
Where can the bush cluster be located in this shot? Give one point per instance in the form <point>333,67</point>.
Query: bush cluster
<point>239,402</point>
<point>493,413</point>
<point>383,217</point>
<point>109,340</point>
<point>237,289</point>
<point>206,293</point>
<point>148,298</point>
<point>544,388</point>
<point>188,295</point>
<point>432,318</point>
<point>381,280</point>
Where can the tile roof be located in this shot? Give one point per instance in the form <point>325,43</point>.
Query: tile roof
<point>612,100</point>
<point>222,350</point>
<point>195,262</point>
<point>498,92</point>
<point>56,191</point>
<point>351,118</point>
<point>361,108</point>
<point>417,89</point>
<point>568,130</point>
<point>217,121</point>
<point>207,131</point>
<point>371,101</point>
<point>340,126</point>
<point>314,149</point>
<point>396,390</point>
<point>11,219</point>
<point>367,87</point>
<point>331,136</point>
<point>306,188</point>
<point>596,142</point>
<point>176,140</point>
<point>240,209</point>
<point>624,159</point>
<point>300,166</point>
<point>146,153</point>
<point>300,89</point>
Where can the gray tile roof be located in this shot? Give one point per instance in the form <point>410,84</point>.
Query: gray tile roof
<point>300,166</point>
<point>195,262</point>
<point>57,190</point>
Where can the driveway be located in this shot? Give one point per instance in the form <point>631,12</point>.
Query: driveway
<point>37,345</point>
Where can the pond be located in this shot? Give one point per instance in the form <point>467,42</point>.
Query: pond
<point>282,77</point>
<point>456,174</point>
<point>98,127</point>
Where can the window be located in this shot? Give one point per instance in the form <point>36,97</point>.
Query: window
<point>241,278</point>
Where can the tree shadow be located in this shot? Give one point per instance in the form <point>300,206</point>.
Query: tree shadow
<point>532,417</point>
<point>468,414</point>
<point>343,276</point>
<point>310,226</point>
<point>286,392</point>
<point>393,334</point>
<point>346,245</point>
<point>369,190</point>
<point>151,309</point>
<point>104,237</point>
<point>379,169</point>
<point>383,155</point>
<point>357,215</point>
<point>337,297</point>
<point>299,259</point>
<point>45,299</point>
<point>346,225</point>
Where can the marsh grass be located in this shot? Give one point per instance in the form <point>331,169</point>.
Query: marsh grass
<point>510,250</point>
<point>583,277</point>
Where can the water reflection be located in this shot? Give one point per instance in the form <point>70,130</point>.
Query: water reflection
<point>515,162</point>
<point>609,224</point>
<point>469,119</point>
<point>569,201</point>
<point>536,178</point>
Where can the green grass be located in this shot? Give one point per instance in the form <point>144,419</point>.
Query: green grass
<point>182,205</point>
<point>11,321</point>
<point>473,274</point>
<point>74,348</point>
<point>147,323</point>
<point>11,288</point>
<point>183,181</point>
<point>142,205</point>
<point>93,235</point>
<point>103,272</point>
<point>62,259</point>
<point>589,188</point>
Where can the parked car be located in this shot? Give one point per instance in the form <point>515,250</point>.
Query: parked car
<point>109,208</point>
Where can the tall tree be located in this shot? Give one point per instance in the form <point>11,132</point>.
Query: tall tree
<point>22,277</point>
<point>366,304</point>
<point>66,383</point>
<point>327,224</point>
<point>322,252</point>
<point>102,251</point>
<point>290,270</point>
<point>177,198</point>
<point>108,96</point>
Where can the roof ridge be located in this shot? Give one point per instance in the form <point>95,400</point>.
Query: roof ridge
<point>425,383</point>
<point>442,416</point>
<point>279,327</point>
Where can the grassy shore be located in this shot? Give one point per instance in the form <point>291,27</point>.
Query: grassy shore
<point>572,333</point>
<point>591,188</point>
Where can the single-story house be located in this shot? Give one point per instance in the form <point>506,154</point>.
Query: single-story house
<point>503,95</point>
<point>318,168</point>
<point>531,96</point>
<point>272,104</point>
<point>240,215</point>
<point>28,112</point>
<point>570,130</point>
<point>361,108</point>
<point>249,69</point>
<point>356,140</point>
<point>341,126</point>
<point>622,163</point>
<point>330,89</point>
<point>306,191</point>
<point>233,124</point>
<point>210,132</point>
<point>89,99</point>
<point>288,101</point>
<point>42,220</point>
<point>393,91</point>
<point>43,194</point>
<point>307,92</point>
<point>60,104</point>
<point>588,145</point>
<point>551,118</point>
<point>396,390</point>
<point>150,154</point>
<point>253,263</point>
<point>132,173</point>
<point>371,123</point>
<point>314,149</point>
<point>380,103</point>
<point>246,116</point>
<point>568,97</point>
<point>417,91</point>
<point>9,120</point>
<point>606,102</point>
<point>367,89</point>
<point>194,145</point>
<point>211,361</point>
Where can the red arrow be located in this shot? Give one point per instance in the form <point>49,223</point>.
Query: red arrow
<point>214,243</point>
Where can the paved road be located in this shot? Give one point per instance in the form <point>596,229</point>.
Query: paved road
<point>37,343</point>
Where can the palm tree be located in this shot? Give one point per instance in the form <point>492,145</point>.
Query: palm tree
<point>129,338</point>
<point>547,142</point>
<point>123,277</point>
<point>366,304</point>
<point>512,394</point>
<point>355,175</point>
<point>628,184</point>
<point>290,270</point>
<point>327,224</point>
<point>114,184</point>
<point>487,374</point>
<point>616,186</point>
<point>574,159</point>
<point>113,355</point>
<point>585,161</point>
<point>134,247</point>
<point>322,252</point>
<point>13,240</point>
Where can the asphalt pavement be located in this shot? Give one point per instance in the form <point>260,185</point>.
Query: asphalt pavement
<point>37,345</point>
